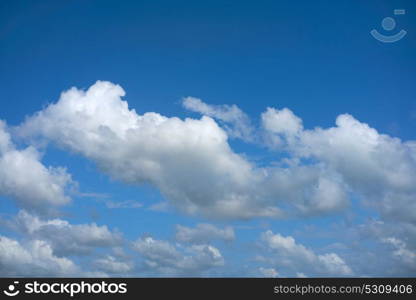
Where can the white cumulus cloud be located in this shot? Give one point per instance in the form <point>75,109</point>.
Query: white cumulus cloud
<point>24,178</point>
<point>284,252</point>
<point>189,160</point>
<point>380,169</point>
<point>402,252</point>
<point>163,258</point>
<point>35,258</point>
<point>113,266</point>
<point>65,238</point>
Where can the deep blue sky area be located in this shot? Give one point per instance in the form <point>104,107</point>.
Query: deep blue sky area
<point>316,58</point>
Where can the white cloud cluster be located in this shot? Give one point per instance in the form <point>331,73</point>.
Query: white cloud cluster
<point>65,238</point>
<point>189,160</point>
<point>113,266</point>
<point>35,258</point>
<point>402,252</point>
<point>24,178</point>
<point>379,168</point>
<point>203,233</point>
<point>163,258</point>
<point>285,253</point>
<point>363,244</point>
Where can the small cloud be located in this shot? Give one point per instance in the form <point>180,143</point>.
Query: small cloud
<point>239,125</point>
<point>123,204</point>
<point>93,195</point>
<point>160,207</point>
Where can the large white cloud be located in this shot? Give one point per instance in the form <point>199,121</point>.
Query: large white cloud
<point>376,168</point>
<point>189,160</point>
<point>184,158</point>
<point>34,258</point>
<point>24,178</point>
<point>379,168</point>
<point>65,238</point>
<point>285,253</point>
<point>193,165</point>
<point>163,258</point>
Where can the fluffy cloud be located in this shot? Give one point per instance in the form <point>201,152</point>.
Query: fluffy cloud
<point>285,253</point>
<point>381,230</point>
<point>323,169</point>
<point>239,123</point>
<point>402,252</point>
<point>189,160</point>
<point>378,168</point>
<point>163,258</point>
<point>35,258</point>
<point>203,233</point>
<point>281,121</point>
<point>392,240</point>
<point>167,152</point>
<point>24,178</point>
<point>65,238</point>
<point>363,244</point>
<point>113,266</point>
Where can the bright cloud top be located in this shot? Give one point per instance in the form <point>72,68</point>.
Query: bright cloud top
<point>378,168</point>
<point>170,260</point>
<point>35,258</point>
<point>65,238</point>
<point>285,252</point>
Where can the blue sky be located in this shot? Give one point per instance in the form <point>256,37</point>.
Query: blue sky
<point>276,195</point>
